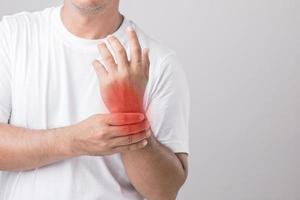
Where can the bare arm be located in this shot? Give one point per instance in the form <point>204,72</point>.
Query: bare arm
<point>155,171</point>
<point>25,149</point>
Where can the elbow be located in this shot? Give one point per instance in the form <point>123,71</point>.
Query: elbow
<point>164,195</point>
<point>167,195</point>
<point>170,191</point>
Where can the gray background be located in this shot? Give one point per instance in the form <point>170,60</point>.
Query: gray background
<point>242,58</point>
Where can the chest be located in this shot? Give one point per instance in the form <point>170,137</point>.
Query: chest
<point>54,86</point>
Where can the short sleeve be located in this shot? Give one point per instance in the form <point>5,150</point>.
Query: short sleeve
<point>169,104</point>
<point>5,74</point>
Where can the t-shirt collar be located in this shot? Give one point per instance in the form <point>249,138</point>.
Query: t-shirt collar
<point>78,42</point>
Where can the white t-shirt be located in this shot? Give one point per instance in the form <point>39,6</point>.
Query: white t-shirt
<point>47,81</point>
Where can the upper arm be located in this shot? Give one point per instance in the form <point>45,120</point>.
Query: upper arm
<point>168,104</point>
<point>5,74</point>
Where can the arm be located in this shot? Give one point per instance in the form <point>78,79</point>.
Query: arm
<point>25,149</point>
<point>156,171</point>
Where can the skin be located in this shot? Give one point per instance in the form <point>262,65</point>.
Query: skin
<point>94,18</point>
<point>26,149</point>
<point>122,86</point>
<point>154,170</point>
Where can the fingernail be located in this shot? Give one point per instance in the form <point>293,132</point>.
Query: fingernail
<point>129,28</point>
<point>148,133</point>
<point>145,142</point>
<point>141,116</point>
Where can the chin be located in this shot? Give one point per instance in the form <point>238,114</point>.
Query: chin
<point>90,4</point>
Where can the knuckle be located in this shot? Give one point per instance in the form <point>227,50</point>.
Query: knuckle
<point>129,139</point>
<point>138,62</point>
<point>104,132</point>
<point>111,60</point>
<point>137,50</point>
<point>106,57</point>
<point>99,136</point>
<point>120,50</point>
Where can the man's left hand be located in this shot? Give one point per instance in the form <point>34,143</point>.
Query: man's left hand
<point>123,81</point>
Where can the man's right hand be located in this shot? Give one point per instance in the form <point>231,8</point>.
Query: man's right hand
<point>108,134</point>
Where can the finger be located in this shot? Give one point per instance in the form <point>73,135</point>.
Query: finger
<point>108,59</point>
<point>120,52</point>
<point>119,119</point>
<point>99,69</point>
<point>131,147</point>
<point>130,139</point>
<point>146,62</point>
<point>121,131</point>
<point>135,47</point>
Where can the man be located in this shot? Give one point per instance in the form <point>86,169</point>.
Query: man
<point>88,123</point>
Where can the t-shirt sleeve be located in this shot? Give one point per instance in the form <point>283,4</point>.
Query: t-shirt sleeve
<point>5,74</point>
<point>169,104</point>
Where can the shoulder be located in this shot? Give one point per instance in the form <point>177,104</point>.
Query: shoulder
<point>158,49</point>
<point>24,21</point>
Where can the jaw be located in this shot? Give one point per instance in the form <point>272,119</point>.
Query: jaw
<point>89,9</point>
<point>89,6</point>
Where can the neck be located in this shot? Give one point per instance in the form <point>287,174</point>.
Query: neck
<point>91,24</point>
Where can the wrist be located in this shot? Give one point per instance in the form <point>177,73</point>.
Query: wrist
<point>152,146</point>
<point>153,142</point>
<point>60,141</point>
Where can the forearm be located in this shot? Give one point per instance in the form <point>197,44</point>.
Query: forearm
<point>25,149</point>
<point>155,171</point>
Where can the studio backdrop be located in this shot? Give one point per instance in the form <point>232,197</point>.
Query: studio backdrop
<point>242,60</point>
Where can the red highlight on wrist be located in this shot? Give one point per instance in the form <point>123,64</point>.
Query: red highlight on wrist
<point>123,98</point>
